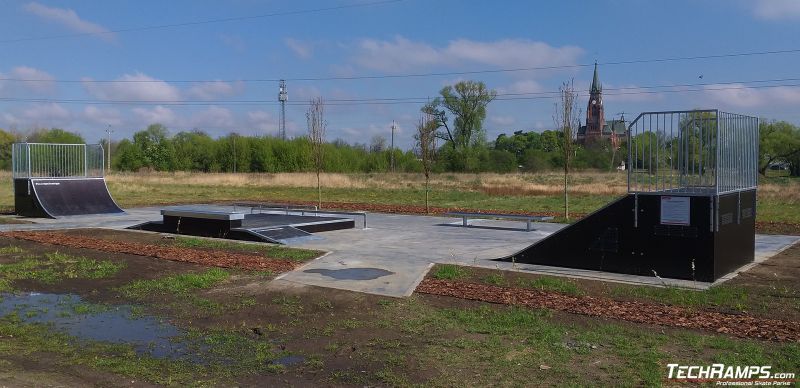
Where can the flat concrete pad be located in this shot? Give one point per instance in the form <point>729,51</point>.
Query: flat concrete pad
<point>393,255</point>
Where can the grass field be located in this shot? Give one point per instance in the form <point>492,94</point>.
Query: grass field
<point>779,197</point>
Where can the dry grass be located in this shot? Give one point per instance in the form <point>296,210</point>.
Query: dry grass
<point>488,183</point>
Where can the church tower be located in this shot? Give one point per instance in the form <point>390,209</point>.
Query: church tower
<point>595,118</point>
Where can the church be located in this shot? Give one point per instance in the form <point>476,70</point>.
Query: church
<point>598,131</point>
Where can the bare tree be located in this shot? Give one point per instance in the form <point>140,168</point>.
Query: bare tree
<point>567,120</point>
<point>426,144</point>
<point>315,117</point>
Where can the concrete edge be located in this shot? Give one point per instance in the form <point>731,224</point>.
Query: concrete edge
<point>419,280</point>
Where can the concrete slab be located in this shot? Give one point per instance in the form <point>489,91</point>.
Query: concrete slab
<point>392,256</point>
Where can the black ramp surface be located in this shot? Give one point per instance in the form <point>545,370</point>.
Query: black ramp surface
<point>72,197</point>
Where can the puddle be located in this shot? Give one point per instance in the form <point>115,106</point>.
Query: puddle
<point>116,324</point>
<point>352,273</point>
<point>288,360</point>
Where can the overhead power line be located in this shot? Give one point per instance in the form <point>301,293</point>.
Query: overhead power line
<point>384,101</point>
<point>200,22</point>
<point>416,75</point>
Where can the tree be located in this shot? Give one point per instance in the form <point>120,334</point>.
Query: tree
<point>155,147</point>
<point>466,101</point>
<point>426,143</point>
<point>315,117</point>
<point>780,141</point>
<point>567,121</point>
<point>377,144</point>
<point>54,135</point>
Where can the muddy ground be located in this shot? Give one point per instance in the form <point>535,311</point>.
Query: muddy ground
<point>352,339</point>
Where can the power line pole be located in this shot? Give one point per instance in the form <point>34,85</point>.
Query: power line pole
<point>282,97</point>
<point>109,131</point>
<point>392,148</point>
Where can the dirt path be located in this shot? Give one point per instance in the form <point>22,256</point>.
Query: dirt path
<point>197,256</point>
<point>638,312</point>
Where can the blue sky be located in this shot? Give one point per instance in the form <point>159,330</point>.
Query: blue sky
<point>391,38</point>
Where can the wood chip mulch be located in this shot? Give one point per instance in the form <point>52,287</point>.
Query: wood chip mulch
<point>188,255</point>
<point>638,312</point>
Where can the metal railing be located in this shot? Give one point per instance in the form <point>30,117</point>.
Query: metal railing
<point>692,152</point>
<point>44,160</point>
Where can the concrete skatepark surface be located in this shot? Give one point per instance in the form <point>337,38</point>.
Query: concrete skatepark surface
<point>395,252</point>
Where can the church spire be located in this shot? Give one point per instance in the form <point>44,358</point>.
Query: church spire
<point>595,81</point>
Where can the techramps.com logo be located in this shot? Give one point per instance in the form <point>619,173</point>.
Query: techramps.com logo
<point>730,375</point>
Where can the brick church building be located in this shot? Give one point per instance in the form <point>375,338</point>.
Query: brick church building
<point>597,130</point>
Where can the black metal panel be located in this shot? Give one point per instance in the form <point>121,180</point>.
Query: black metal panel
<point>25,203</point>
<point>612,239</point>
<point>734,245</point>
<point>53,197</point>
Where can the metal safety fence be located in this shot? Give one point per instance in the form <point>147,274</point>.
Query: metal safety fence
<point>692,152</point>
<point>44,160</point>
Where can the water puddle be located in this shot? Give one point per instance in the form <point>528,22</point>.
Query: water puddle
<point>352,273</point>
<point>288,360</point>
<point>115,324</point>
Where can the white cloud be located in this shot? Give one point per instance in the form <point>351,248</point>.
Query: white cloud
<point>776,9</point>
<point>102,116</point>
<point>68,18</point>
<point>213,117</point>
<point>158,114</point>
<point>262,121</point>
<point>303,50</point>
<point>50,112</point>
<point>403,54</point>
<point>738,96</point>
<point>214,89</point>
<point>137,87</point>
<point>521,87</point>
<point>45,83</point>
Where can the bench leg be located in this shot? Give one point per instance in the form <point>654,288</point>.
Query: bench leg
<point>464,221</point>
<point>529,226</point>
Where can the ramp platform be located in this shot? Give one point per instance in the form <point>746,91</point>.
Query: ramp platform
<point>265,227</point>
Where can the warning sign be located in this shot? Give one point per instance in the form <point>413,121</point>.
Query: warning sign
<point>675,210</point>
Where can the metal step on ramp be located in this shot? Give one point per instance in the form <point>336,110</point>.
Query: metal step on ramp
<point>280,235</point>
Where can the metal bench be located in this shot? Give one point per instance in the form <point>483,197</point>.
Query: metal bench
<point>465,216</point>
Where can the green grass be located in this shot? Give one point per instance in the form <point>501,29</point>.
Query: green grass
<point>54,267</point>
<point>723,295</point>
<point>450,272</point>
<point>496,279</point>
<point>268,250</point>
<point>11,250</point>
<point>176,285</point>
<point>554,284</point>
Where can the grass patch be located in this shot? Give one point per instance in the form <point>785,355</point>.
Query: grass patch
<point>450,272</point>
<point>268,250</point>
<point>732,297</point>
<point>176,285</point>
<point>11,250</point>
<point>53,267</point>
<point>496,279</point>
<point>545,283</point>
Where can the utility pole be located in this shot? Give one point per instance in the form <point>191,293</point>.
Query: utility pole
<point>109,132</point>
<point>233,136</point>
<point>282,97</point>
<point>392,148</point>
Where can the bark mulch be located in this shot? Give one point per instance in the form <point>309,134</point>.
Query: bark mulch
<point>638,312</point>
<point>188,255</point>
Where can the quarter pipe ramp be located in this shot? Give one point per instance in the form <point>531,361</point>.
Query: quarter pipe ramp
<point>59,197</point>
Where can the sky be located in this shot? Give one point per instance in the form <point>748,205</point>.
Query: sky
<point>213,66</point>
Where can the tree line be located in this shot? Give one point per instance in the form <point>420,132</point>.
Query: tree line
<point>454,140</point>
